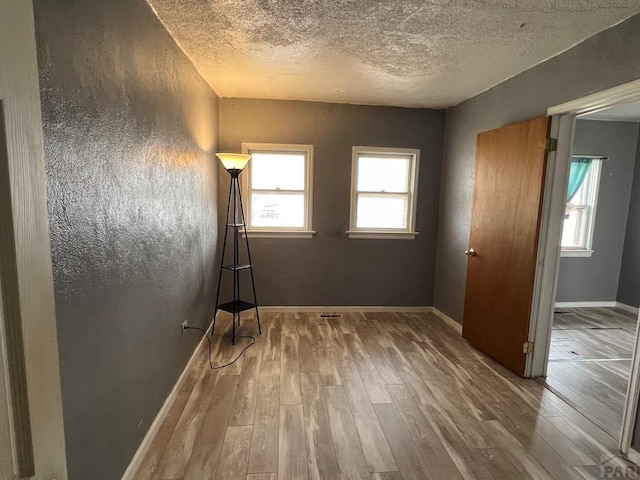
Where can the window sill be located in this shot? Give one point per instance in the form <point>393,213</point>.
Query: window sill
<point>280,233</point>
<point>576,253</point>
<point>369,235</point>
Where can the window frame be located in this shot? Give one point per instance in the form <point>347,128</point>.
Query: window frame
<point>594,177</point>
<point>407,233</point>
<point>306,230</point>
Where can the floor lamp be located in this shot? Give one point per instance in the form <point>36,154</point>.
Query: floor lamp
<point>234,163</point>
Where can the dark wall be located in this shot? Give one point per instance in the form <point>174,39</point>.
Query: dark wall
<point>330,268</point>
<point>605,60</point>
<point>129,130</point>
<point>595,278</point>
<point>629,284</point>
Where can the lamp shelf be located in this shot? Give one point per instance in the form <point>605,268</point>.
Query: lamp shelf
<point>235,268</point>
<point>237,306</point>
<point>235,225</point>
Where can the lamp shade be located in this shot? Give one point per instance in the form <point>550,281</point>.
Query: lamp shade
<point>233,161</point>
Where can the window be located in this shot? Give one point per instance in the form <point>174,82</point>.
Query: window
<point>580,212</point>
<point>277,190</point>
<point>384,183</point>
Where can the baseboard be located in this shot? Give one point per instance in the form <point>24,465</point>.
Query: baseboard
<point>584,304</point>
<point>621,306</point>
<point>136,461</point>
<point>633,456</point>
<point>338,308</point>
<point>627,308</point>
<point>448,320</point>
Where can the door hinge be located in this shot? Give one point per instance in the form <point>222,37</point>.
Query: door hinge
<point>527,347</point>
<point>552,144</point>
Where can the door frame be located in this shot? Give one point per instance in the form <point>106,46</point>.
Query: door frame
<point>27,272</point>
<point>563,129</point>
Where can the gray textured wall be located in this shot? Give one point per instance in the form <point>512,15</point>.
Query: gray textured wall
<point>330,268</point>
<point>595,278</point>
<point>605,60</point>
<point>629,284</point>
<point>129,128</point>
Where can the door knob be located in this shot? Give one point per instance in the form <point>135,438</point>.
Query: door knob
<point>470,252</point>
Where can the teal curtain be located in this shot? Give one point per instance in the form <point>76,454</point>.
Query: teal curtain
<point>577,173</point>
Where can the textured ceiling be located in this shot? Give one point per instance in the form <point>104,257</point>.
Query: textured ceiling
<point>412,53</point>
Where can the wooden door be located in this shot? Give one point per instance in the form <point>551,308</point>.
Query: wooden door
<point>507,204</point>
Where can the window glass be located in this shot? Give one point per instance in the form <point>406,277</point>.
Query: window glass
<point>383,189</point>
<point>383,174</point>
<point>375,211</point>
<point>277,171</point>
<point>579,217</point>
<point>278,188</point>
<point>277,210</point>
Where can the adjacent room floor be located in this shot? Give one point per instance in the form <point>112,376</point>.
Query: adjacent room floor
<point>368,396</point>
<point>590,360</point>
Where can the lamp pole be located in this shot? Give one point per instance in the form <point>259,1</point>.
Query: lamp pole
<point>234,164</point>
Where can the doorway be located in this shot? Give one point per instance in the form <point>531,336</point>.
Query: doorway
<point>582,326</point>
<point>595,312</point>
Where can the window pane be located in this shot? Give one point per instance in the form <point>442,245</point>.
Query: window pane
<point>382,211</point>
<point>273,171</point>
<point>578,211</point>
<point>571,231</point>
<point>277,210</point>
<point>378,173</point>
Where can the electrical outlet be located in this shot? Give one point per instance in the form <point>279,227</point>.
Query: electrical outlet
<point>185,325</point>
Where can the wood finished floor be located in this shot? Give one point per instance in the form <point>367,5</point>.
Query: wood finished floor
<point>590,361</point>
<point>369,396</point>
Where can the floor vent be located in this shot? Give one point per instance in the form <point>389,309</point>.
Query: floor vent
<point>330,315</point>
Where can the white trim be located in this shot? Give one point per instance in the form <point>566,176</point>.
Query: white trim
<point>576,253</point>
<point>595,175</point>
<point>38,440</point>
<point>603,304</point>
<point>538,280</point>
<point>247,148</point>
<point>346,308</point>
<point>280,234</point>
<point>448,320</point>
<point>631,404</point>
<point>546,279</point>
<point>137,459</point>
<point>376,235</point>
<point>412,192</point>
<point>627,308</point>
<point>600,304</point>
<point>599,101</point>
<point>633,456</point>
